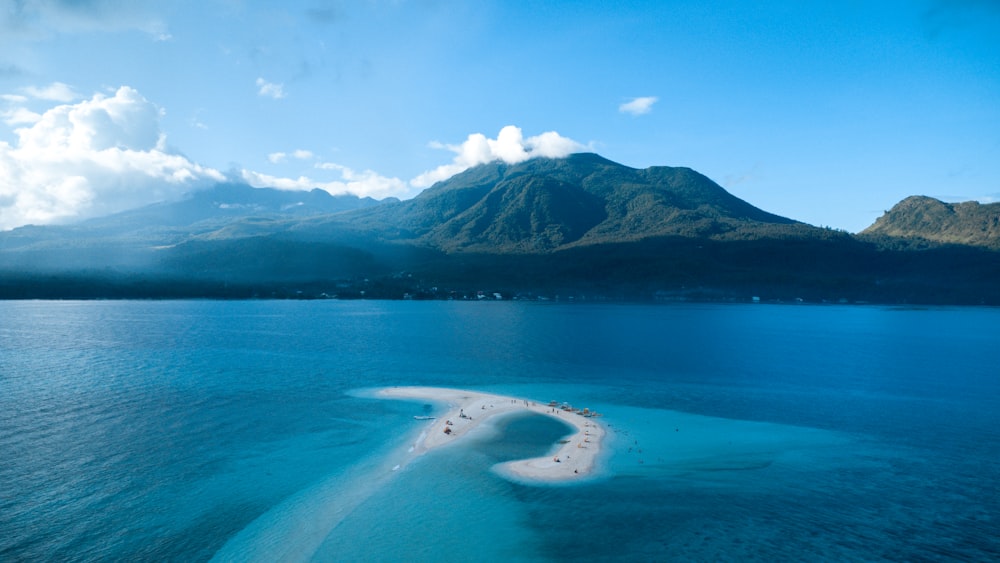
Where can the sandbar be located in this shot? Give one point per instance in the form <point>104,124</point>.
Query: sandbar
<point>575,458</point>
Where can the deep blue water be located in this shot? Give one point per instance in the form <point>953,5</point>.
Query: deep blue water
<point>183,430</point>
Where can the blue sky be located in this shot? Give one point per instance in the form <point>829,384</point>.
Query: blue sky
<point>825,112</point>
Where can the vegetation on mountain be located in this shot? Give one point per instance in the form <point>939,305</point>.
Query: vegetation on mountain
<point>581,227</point>
<point>923,222</point>
<point>545,204</point>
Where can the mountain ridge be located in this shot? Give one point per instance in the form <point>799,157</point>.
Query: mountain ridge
<point>571,225</point>
<point>544,204</point>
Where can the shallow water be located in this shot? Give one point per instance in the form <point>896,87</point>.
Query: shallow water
<point>189,429</point>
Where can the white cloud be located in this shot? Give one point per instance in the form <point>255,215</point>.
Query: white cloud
<point>126,120</point>
<point>270,89</point>
<point>19,116</point>
<point>95,157</point>
<point>55,92</point>
<point>16,114</point>
<point>510,146</point>
<point>639,106</point>
<point>553,145</point>
<point>107,154</point>
<point>367,183</point>
<point>299,154</point>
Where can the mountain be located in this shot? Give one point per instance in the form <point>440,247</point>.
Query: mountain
<point>126,239</point>
<point>920,221</point>
<point>543,205</point>
<point>580,226</point>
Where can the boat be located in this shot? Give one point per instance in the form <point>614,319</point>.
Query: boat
<point>425,417</point>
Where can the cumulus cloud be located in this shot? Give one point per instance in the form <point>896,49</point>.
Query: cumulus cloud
<point>510,146</point>
<point>638,106</point>
<point>95,157</point>
<point>363,184</point>
<point>107,154</point>
<point>270,89</point>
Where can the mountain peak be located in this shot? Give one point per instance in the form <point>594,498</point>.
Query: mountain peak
<point>544,204</point>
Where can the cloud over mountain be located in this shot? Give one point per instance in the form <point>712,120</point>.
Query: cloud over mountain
<point>107,153</point>
<point>97,156</point>
<point>510,146</point>
<point>362,184</point>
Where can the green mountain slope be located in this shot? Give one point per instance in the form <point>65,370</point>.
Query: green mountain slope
<point>545,204</point>
<point>920,221</point>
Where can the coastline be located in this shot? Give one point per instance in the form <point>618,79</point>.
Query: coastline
<point>574,459</point>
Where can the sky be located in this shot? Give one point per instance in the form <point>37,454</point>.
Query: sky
<point>824,112</point>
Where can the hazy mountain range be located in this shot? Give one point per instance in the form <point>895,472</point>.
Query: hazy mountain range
<point>581,227</point>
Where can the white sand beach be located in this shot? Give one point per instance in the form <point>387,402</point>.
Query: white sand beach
<point>575,458</point>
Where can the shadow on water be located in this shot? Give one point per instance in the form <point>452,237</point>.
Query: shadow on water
<point>518,436</point>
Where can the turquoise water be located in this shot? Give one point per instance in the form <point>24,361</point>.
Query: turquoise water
<point>188,430</point>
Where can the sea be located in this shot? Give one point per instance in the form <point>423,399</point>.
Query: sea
<point>204,430</point>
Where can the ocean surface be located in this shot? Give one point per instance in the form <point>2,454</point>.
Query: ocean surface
<point>193,430</point>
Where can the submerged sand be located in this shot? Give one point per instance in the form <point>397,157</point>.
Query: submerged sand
<point>576,455</point>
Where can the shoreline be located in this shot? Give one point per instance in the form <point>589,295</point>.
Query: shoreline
<point>574,459</point>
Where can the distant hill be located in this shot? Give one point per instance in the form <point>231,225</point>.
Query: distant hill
<point>920,221</point>
<point>126,239</point>
<point>579,226</point>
